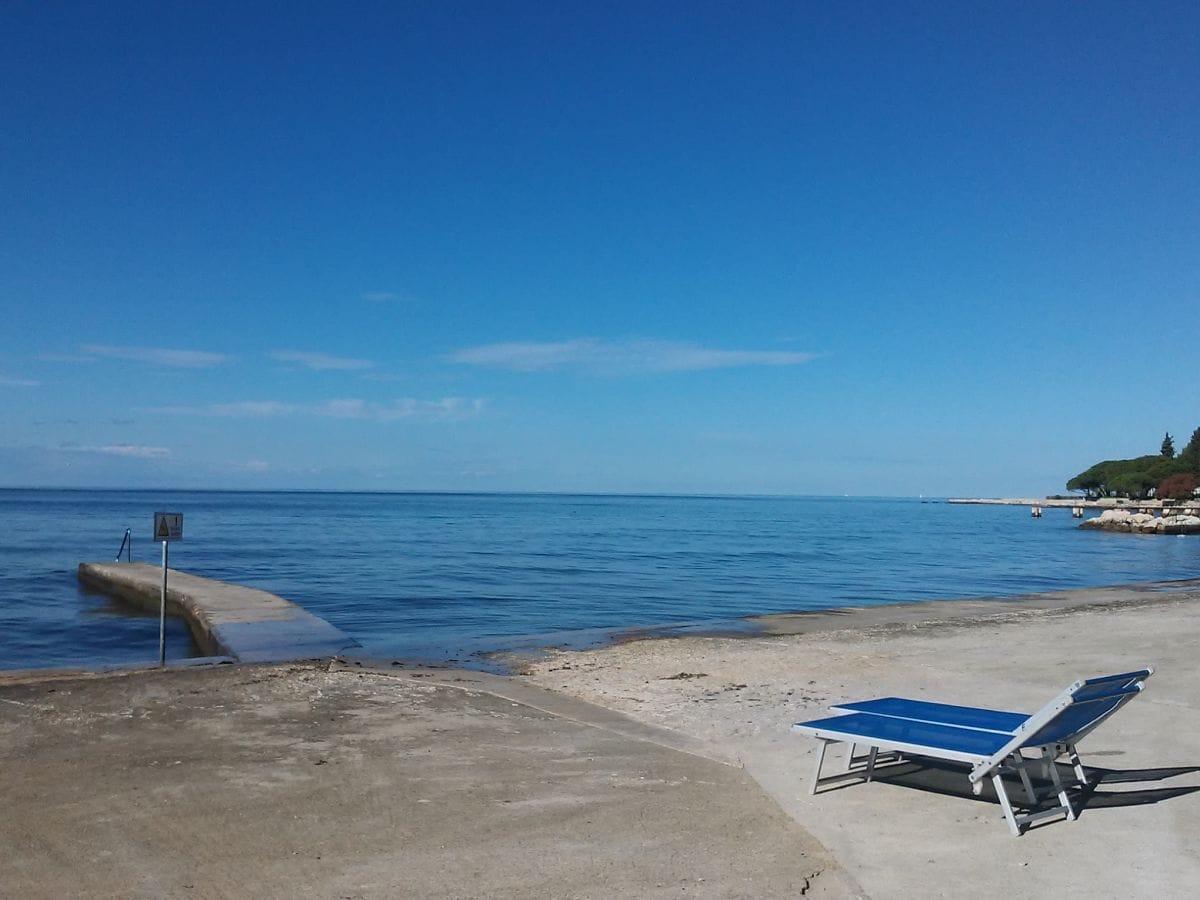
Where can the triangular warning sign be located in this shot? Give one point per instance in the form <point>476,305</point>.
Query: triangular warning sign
<point>162,529</point>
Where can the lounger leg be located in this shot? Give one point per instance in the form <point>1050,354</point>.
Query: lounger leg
<point>817,773</point>
<point>850,758</point>
<point>1058,787</point>
<point>1019,764</point>
<point>1073,755</point>
<point>871,762</point>
<point>1002,794</point>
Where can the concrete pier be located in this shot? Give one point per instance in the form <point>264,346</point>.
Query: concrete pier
<point>244,624</point>
<point>1076,503</point>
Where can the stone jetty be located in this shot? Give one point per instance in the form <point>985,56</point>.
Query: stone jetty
<point>241,623</point>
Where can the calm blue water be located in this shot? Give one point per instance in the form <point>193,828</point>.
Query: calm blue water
<point>445,575</point>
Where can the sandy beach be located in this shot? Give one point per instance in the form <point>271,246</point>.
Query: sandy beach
<point>652,768</point>
<point>929,837</point>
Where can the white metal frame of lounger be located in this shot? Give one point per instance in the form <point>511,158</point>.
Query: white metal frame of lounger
<point>1063,748</point>
<point>1013,763</point>
<point>1007,759</point>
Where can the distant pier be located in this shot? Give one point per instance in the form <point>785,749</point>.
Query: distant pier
<point>1116,514</point>
<point>1067,503</point>
<point>244,624</point>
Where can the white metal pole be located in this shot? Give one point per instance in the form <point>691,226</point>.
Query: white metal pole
<point>162,614</point>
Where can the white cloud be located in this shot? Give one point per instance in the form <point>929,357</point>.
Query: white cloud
<point>17,382</point>
<point>135,451</point>
<point>71,358</point>
<point>619,357</point>
<point>447,408</point>
<point>321,361</point>
<point>160,356</point>
<point>444,409</point>
<point>255,408</point>
<point>342,409</point>
<point>251,465</point>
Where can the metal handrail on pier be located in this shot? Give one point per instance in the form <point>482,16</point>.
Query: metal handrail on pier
<point>126,547</point>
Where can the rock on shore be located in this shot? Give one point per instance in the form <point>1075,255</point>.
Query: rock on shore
<point>1144,523</point>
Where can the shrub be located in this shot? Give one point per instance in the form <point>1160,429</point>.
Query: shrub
<point>1178,487</point>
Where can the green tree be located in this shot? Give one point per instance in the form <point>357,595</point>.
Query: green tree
<point>1135,485</point>
<point>1093,481</point>
<point>1132,477</point>
<point>1190,455</point>
<point>1139,477</point>
<point>1159,467</point>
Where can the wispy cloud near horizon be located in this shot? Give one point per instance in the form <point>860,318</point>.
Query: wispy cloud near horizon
<point>321,362</point>
<point>160,356</point>
<point>250,465</point>
<point>443,409</point>
<point>133,451</point>
<point>620,357</point>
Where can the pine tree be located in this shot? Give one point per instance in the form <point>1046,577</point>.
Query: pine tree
<point>1168,446</point>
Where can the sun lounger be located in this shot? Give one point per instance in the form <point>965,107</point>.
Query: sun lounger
<point>992,743</point>
<point>986,719</point>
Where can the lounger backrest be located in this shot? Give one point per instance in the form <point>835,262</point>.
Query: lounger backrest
<point>1070,715</point>
<point>1079,717</point>
<point>1094,686</point>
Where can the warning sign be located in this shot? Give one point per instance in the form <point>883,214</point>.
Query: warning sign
<point>168,526</point>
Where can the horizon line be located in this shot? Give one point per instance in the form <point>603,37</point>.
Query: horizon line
<point>476,493</point>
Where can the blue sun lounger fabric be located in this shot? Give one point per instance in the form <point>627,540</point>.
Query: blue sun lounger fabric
<point>988,719</point>
<point>993,743</point>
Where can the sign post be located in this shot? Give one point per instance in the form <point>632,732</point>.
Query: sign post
<point>168,527</point>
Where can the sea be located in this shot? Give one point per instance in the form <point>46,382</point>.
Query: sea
<point>453,578</point>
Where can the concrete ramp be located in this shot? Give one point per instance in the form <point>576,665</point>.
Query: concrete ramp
<point>245,624</point>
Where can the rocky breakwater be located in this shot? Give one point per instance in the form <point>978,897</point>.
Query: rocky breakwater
<point>1186,522</point>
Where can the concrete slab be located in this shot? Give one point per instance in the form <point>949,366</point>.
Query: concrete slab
<point>297,781</point>
<point>225,619</point>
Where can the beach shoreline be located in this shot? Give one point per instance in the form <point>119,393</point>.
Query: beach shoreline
<point>422,583</point>
<point>725,700</point>
<point>901,615</point>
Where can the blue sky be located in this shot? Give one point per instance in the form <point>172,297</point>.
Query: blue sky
<point>864,248</point>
